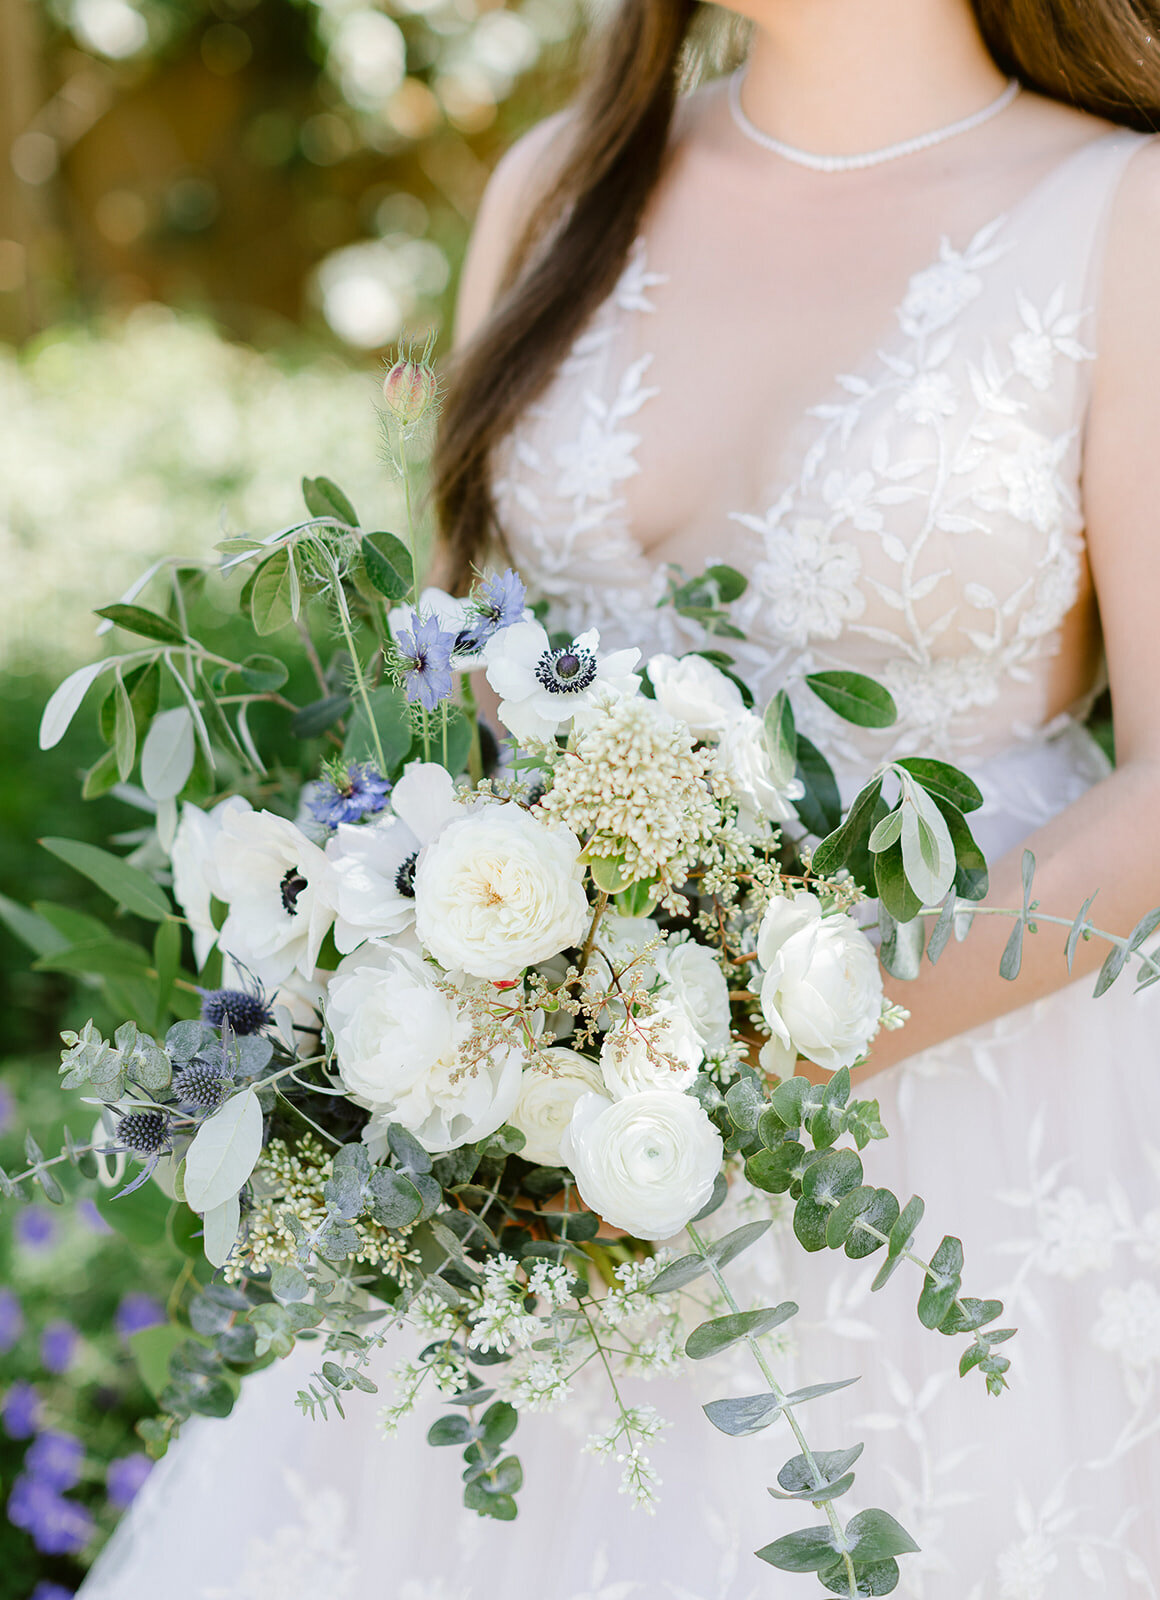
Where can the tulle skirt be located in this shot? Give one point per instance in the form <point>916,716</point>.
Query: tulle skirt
<point>1035,1140</point>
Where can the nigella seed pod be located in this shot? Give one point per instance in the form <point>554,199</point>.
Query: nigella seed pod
<point>143,1132</point>
<point>409,389</point>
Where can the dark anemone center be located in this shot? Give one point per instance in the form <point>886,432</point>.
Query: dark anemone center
<point>566,670</point>
<point>292,886</point>
<point>405,877</point>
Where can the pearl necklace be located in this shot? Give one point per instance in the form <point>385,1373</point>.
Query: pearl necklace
<point>868,158</point>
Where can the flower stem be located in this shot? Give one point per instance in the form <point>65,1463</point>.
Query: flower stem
<point>356,668</point>
<point>1034,915</point>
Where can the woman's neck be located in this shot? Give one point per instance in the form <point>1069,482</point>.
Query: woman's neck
<point>843,76</point>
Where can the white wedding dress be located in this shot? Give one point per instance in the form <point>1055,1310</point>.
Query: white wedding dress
<point>923,522</point>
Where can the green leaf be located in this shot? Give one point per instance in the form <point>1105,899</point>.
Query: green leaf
<point>725,1250</point>
<point>944,782</point>
<point>849,1208</point>
<point>820,808</point>
<point>940,1286</point>
<point>498,1423</point>
<point>127,885</point>
<point>136,619</point>
<point>168,754</point>
<point>1012,958</point>
<point>31,928</point>
<point>124,730</point>
<point>101,777</point>
<point>407,1150</point>
<point>1076,931</point>
<point>710,1338</point>
<point>781,737</point>
<point>886,832</point>
<point>836,848</point>
<point>389,708</point>
<point>325,499</point>
<point>797,1478</point>
<point>151,1349</point>
<point>608,873</point>
<point>881,1214</point>
<point>901,1238</point>
<point>808,1550</point>
<point>388,565</point>
<point>224,1152</point>
<point>263,674</point>
<point>312,720</point>
<point>875,1536</point>
<point>775,1170</point>
<point>678,1274</point>
<point>270,595</point>
<point>1111,969</point>
<point>731,584</point>
<point>65,701</point>
<point>220,1230</point>
<point>745,1103</point>
<point>880,1577</point>
<point>971,879</point>
<point>744,1415</point>
<point>454,1430</point>
<point>970,1314</point>
<point>394,1200</point>
<point>855,698</point>
<point>892,886</point>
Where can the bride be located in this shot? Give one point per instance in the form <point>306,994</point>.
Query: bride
<point>881,331</point>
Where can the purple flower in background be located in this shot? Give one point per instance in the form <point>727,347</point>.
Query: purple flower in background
<point>55,1459</point>
<point>137,1311</point>
<point>91,1217</point>
<point>35,1229</point>
<point>125,1477</point>
<point>348,796</point>
<point>426,655</point>
<point>7,1107</point>
<point>58,1346</point>
<point>52,1591</point>
<point>20,1412</point>
<point>11,1320</point>
<point>58,1527</point>
<point>498,603</point>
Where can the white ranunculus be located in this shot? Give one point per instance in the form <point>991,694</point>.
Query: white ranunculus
<point>647,1163</point>
<point>374,864</point>
<point>541,688</point>
<point>397,1041</point>
<point>549,1089</point>
<point>694,691</point>
<point>661,1051</point>
<point>499,890</point>
<point>278,889</point>
<point>822,989</point>
<point>743,756</point>
<point>193,876</point>
<point>695,984</point>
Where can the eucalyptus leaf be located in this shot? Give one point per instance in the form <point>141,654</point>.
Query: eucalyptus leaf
<point>167,755</point>
<point>780,738</point>
<point>221,1230</point>
<point>1077,929</point>
<point>711,1338</point>
<point>855,697</point>
<point>224,1152</point>
<point>808,1550</point>
<point>744,1415</point>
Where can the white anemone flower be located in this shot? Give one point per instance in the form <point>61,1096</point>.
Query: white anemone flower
<point>194,881</point>
<point>374,865</point>
<point>278,889</point>
<point>541,688</point>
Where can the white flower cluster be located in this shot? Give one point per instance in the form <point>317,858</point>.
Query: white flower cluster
<point>624,1443</point>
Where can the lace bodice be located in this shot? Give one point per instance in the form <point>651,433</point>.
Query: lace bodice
<point>924,524</point>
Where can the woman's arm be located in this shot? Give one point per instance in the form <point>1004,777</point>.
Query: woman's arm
<point>1109,839</point>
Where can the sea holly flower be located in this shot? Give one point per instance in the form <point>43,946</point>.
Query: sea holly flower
<point>374,867</point>
<point>425,657</point>
<point>277,886</point>
<point>542,687</point>
<point>243,1011</point>
<point>347,793</point>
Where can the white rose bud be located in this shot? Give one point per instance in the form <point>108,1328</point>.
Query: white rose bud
<point>822,989</point>
<point>693,691</point>
<point>647,1163</point>
<point>660,1051</point>
<point>549,1090</point>
<point>498,891</point>
<point>695,984</point>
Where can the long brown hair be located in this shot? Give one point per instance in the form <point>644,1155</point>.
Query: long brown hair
<point>1098,55</point>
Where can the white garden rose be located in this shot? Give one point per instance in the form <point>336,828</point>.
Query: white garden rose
<point>398,1038</point>
<point>499,890</point>
<point>695,984</point>
<point>743,756</point>
<point>278,889</point>
<point>646,1163</point>
<point>661,1051</point>
<point>549,1090</point>
<point>822,989</point>
<point>694,691</point>
<point>194,880</point>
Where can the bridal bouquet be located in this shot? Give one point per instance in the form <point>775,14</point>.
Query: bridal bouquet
<point>436,1036</point>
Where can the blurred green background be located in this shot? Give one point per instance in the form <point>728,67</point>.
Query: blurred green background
<point>216,218</point>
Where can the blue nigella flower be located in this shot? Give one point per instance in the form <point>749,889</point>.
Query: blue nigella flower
<point>349,796</point>
<point>58,1346</point>
<point>137,1311</point>
<point>58,1527</point>
<point>426,656</point>
<point>35,1229</point>
<point>55,1459</point>
<point>11,1320</point>
<point>498,602</point>
<point>125,1477</point>
<point>20,1413</point>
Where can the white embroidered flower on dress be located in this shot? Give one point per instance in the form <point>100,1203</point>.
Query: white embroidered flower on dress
<point>937,294</point>
<point>1024,1568</point>
<point>807,584</point>
<point>1076,1236</point>
<point>598,460</point>
<point>1129,1324</point>
<point>1045,335</point>
<point>1031,479</point>
<point>929,396</point>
